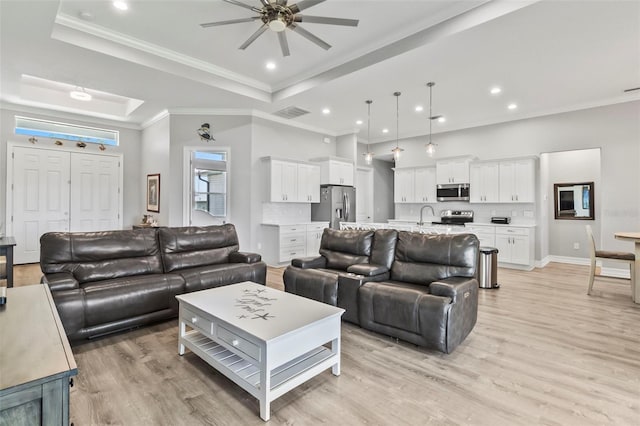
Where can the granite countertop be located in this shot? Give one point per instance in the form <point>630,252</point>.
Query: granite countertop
<point>320,222</point>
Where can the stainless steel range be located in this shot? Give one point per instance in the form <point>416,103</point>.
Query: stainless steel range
<point>455,217</point>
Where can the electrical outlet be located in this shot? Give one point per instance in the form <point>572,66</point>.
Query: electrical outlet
<point>576,246</point>
<point>259,246</point>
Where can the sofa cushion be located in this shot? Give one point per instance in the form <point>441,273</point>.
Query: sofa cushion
<point>424,258</point>
<point>193,246</point>
<point>384,247</point>
<point>343,248</point>
<point>112,300</point>
<point>105,255</point>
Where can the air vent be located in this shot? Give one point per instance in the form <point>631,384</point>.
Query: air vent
<point>291,112</point>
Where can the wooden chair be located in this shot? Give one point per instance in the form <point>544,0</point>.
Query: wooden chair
<point>607,255</point>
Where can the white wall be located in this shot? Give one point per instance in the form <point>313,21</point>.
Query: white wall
<point>130,142</point>
<point>155,159</point>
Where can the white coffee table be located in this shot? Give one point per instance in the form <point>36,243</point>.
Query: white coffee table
<point>265,340</point>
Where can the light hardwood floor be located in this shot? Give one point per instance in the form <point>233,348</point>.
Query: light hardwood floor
<point>542,352</point>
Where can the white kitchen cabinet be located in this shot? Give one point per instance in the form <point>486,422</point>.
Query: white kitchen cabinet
<point>335,171</point>
<point>486,234</point>
<point>453,170</point>
<point>425,185</point>
<point>293,181</point>
<point>308,183</point>
<point>515,245</point>
<point>281,243</point>
<point>404,185</point>
<point>484,182</point>
<point>314,237</point>
<point>517,181</point>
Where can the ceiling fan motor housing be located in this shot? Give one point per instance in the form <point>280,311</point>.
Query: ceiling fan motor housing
<point>277,17</point>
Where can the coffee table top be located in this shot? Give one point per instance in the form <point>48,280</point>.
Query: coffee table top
<point>263,312</point>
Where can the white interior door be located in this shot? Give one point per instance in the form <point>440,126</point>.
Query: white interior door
<point>95,188</point>
<point>364,195</point>
<point>40,194</point>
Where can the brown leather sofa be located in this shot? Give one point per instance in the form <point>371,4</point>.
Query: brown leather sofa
<point>416,287</point>
<point>108,281</point>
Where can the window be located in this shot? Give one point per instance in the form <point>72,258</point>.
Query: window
<point>64,131</point>
<point>209,180</point>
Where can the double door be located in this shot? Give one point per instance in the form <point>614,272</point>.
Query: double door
<point>54,190</point>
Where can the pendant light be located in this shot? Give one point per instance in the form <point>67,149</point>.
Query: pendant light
<point>431,147</point>
<point>397,150</point>
<point>368,156</point>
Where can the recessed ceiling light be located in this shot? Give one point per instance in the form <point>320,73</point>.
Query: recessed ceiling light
<point>512,106</point>
<point>359,122</point>
<point>121,5</point>
<point>419,108</point>
<point>495,90</point>
<point>80,95</point>
<point>271,65</point>
<point>441,119</point>
<point>385,130</point>
<point>326,111</point>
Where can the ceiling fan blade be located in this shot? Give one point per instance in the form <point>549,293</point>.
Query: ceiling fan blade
<point>246,6</point>
<point>281,2</point>
<point>265,2</point>
<point>304,4</point>
<point>253,37</point>
<point>232,21</point>
<point>306,34</point>
<point>326,20</point>
<point>282,38</point>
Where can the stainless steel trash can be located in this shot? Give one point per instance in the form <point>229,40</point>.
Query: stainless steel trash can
<point>488,268</point>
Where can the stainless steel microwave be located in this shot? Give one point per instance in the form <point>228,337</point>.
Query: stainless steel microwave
<point>453,192</point>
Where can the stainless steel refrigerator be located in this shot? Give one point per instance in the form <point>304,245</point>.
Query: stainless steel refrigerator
<point>337,204</point>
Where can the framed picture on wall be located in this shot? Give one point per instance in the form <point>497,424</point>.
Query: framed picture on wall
<point>153,193</point>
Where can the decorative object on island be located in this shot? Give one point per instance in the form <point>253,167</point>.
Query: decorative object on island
<point>153,193</point>
<point>368,156</point>
<point>397,150</point>
<point>205,133</point>
<point>277,16</point>
<point>431,147</point>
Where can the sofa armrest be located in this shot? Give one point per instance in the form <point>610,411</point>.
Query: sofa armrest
<point>310,262</point>
<point>60,281</point>
<point>457,288</point>
<point>463,313</point>
<point>368,269</point>
<point>244,257</point>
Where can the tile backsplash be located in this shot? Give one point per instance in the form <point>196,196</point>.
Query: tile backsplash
<point>519,213</point>
<point>286,212</point>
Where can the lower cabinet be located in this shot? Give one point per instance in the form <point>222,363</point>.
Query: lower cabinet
<point>515,245</point>
<point>281,243</point>
<point>486,234</point>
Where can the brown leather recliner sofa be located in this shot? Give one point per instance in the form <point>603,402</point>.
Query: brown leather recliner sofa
<point>108,281</point>
<point>416,287</point>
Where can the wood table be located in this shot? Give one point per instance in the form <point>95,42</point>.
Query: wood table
<point>6,249</point>
<point>36,362</point>
<point>635,238</point>
<point>265,340</point>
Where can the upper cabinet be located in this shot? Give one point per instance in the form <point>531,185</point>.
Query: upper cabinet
<point>517,181</point>
<point>484,182</point>
<point>425,185</point>
<point>414,185</point>
<point>335,171</point>
<point>453,170</point>
<point>293,182</point>
<point>504,181</point>
<point>403,185</point>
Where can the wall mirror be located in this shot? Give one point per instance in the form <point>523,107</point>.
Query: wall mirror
<point>574,201</point>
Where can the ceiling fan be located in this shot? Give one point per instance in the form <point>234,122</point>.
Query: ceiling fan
<point>277,16</point>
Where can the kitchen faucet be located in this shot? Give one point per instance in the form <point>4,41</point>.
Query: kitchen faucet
<point>422,210</point>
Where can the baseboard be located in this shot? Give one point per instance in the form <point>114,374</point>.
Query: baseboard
<point>605,272</point>
<point>542,263</point>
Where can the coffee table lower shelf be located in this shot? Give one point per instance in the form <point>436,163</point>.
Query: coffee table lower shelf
<point>247,375</point>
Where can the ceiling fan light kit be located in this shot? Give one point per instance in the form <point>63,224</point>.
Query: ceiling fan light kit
<point>277,16</point>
